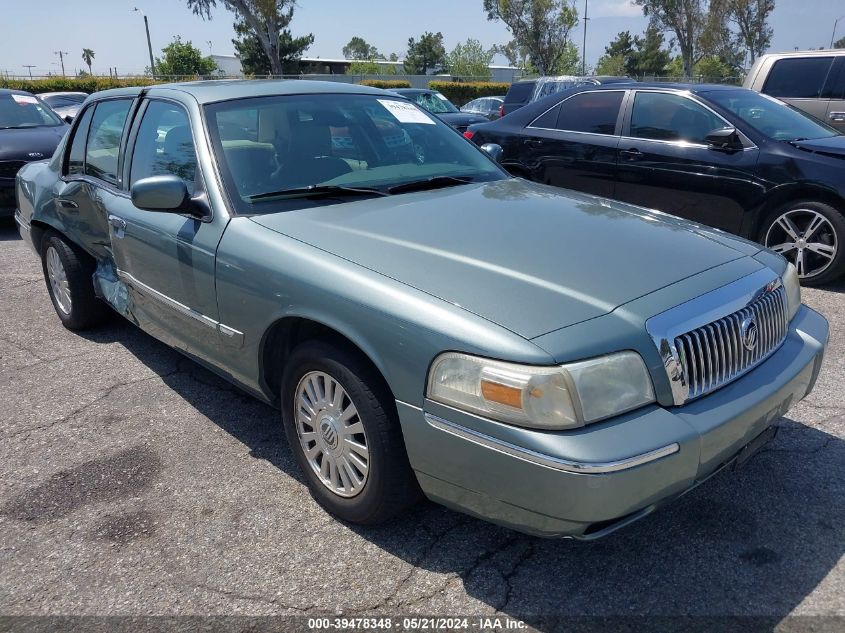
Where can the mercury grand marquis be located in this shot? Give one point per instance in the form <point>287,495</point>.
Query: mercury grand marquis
<point>548,360</point>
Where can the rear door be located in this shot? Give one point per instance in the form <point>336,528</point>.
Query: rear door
<point>800,81</point>
<point>574,144</point>
<point>167,260</point>
<point>665,162</point>
<point>835,91</point>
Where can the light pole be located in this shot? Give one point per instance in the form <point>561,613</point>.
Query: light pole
<point>584,45</point>
<point>149,45</point>
<point>61,55</point>
<point>209,46</point>
<point>29,67</point>
<point>833,35</point>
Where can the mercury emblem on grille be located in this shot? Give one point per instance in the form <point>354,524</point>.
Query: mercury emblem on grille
<point>748,333</point>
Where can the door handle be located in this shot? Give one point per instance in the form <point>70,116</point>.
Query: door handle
<point>838,117</point>
<point>64,203</point>
<point>118,223</point>
<point>631,154</point>
<point>535,142</point>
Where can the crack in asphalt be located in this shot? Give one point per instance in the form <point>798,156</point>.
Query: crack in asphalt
<point>254,598</point>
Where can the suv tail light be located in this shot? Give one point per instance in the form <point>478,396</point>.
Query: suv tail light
<point>502,110</point>
<point>469,134</point>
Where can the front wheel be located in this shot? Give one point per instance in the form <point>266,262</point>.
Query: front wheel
<point>811,235</point>
<point>342,428</point>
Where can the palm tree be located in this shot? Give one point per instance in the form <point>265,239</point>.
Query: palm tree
<point>88,57</point>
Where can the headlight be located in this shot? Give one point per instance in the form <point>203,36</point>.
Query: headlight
<point>792,286</point>
<point>562,397</point>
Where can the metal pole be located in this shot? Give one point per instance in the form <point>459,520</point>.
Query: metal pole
<point>61,55</point>
<point>833,35</point>
<point>149,47</point>
<point>584,45</point>
<point>29,67</point>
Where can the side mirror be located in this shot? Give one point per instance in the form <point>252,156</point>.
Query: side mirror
<point>493,150</point>
<point>724,138</point>
<point>166,193</point>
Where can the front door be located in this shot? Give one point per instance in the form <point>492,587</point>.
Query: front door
<point>166,260</point>
<point>665,163</point>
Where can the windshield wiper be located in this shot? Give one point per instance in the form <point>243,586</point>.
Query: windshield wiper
<point>435,182</point>
<point>319,190</point>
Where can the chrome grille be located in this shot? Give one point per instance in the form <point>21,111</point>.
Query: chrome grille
<point>8,168</point>
<point>716,353</point>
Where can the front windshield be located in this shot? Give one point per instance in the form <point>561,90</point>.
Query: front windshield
<point>63,101</point>
<point>771,117</point>
<point>433,102</point>
<point>23,110</point>
<point>266,146</point>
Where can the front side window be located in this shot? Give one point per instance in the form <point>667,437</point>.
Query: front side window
<point>593,112</point>
<point>164,145</point>
<point>76,154</point>
<point>101,156</point>
<point>771,117</point>
<point>25,110</point>
<point>799,78</point>
<point>669,117</point>
<point>268,146</point>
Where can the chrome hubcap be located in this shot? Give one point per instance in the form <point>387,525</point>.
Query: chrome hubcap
<point>331,434</point>
<point>58,280</point>
<point>806,238</point>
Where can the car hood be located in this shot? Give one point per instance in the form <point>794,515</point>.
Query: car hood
<point>21,144</point>
<point>528,257</point>
<point>832,146</point>
<point>461,119</point>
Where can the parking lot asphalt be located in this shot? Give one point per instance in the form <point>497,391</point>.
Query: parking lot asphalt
<point>133,481</point>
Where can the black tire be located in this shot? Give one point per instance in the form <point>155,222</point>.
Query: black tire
<point>85,310</point>
<point>390,486</point>
<point>834,236</point>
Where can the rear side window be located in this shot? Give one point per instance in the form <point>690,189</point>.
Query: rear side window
<point>547,120</point>
<point>800,78</point>
<point>520,92</point>
<point>76,155</point>
<point>592,112</point>
<point>104,139</point>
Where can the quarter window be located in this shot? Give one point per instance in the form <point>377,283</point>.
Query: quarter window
<point>76,155</point>
<point>799,78</point>
<point>593,112</point>
<point>547,120</point>
<point>164,145</point>
<point>668,117</point>
<point>101,155</point>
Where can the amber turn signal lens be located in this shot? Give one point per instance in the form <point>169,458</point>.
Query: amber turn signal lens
<point>501,394</point>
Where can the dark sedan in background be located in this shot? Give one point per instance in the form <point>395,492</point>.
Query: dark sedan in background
<point>29,130</point>
<point>723,156</point>
<point>441,107</point>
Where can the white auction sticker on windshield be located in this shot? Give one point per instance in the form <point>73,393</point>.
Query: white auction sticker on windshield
<point>24,98</point>
<point>405,112</point>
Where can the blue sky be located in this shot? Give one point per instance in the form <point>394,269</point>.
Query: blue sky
<point>116,34</point>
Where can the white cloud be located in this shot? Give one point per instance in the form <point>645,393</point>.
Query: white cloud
<point>610,9</point>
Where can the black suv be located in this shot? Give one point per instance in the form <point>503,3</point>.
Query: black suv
<point>521,93</point>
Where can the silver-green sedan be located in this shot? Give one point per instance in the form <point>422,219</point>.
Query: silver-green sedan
<point>551,361</point>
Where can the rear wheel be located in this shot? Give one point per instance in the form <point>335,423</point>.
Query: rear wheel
<point>811,235</point>
<point>68,271</point>
<point>342,428</point>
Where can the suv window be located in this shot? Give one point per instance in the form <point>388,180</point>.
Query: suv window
<point>798,78</point>
<point>669,117</point>
<point>76,155</point>
<point>520,91</point>
<point>594,112</point>
<point>101,153</point>
<point>547,120</point>
<point>164,145</point>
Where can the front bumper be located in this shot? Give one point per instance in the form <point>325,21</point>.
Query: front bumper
<point>588,482</point>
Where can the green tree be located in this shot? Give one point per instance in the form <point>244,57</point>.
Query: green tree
<point>266,20</point>
<point>88,57</point>
<point>370,67</point>
<point>622,45</point>
<point>751,19</point>
<point>183,59</point>
<point>470,59</point>
<point>253,57</point>
<point>516,55</point>
<point>840,43</point>
<point>358,48</point>
<point>540,28</point>
<point>426,55</point>
<point>615,65</point>
<point>686,19</point>
<point>649,58</point>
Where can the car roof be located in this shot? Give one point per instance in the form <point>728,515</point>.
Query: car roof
<point>210,91</point>
<point>410,91</point>
<point>822,53</point>
<point>61,94</point>
<point>656,85</point>
<point>11,91</point>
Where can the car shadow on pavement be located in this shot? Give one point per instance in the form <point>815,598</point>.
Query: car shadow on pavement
<point>753,542</point>
<point>8,230</point>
